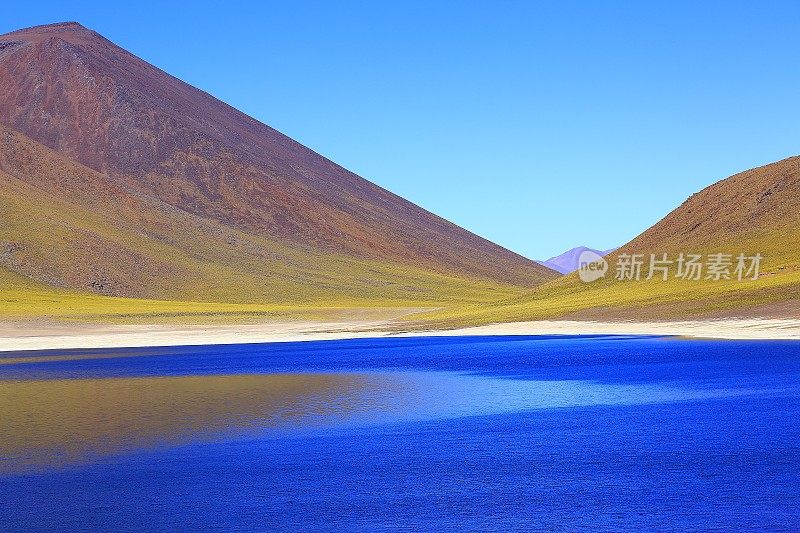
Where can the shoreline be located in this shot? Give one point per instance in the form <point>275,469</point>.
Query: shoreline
<point>14,338</point>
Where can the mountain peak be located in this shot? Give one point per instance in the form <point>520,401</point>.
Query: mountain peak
<point>69,90</point>
<point>568,261</point>
<point>69,30</point>
<point>54,28</point>
<point>60,26</point>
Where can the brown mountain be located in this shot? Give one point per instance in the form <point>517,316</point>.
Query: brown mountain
<point>129,181</point>
<point>753,212</point>
<point>761,204</point>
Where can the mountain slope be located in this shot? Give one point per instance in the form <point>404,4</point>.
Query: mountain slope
<point>753,212</point>
<point>133,183</point>
<point>70,227</point>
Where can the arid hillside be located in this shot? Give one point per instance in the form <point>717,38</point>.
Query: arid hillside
<point>117,178</point>
<point>753,213</point>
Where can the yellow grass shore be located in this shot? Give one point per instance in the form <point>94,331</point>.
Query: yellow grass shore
<point>17,337</point>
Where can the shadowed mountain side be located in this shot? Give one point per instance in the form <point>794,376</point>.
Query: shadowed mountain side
<point>753,212</point>
<point>191,157</point>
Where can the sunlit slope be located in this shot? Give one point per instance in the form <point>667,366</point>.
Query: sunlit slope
<point>754,212</point>
<point>66,229</point>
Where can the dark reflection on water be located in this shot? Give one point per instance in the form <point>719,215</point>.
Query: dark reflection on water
<point>430,434</point>
<point>61,421</point>
<point>58,422</point>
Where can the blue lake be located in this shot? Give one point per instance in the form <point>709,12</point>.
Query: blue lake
<point>597,433</point>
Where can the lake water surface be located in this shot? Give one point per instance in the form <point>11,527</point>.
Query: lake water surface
<point>598,433</point>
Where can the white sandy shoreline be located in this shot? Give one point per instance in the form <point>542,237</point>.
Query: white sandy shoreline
<point>15,338</point>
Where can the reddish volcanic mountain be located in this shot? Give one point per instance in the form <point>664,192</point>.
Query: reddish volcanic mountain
<point>169,153</point>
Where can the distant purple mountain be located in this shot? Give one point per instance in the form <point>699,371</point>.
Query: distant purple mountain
<point>568,261</point>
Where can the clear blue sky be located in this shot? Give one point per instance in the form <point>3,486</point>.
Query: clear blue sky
<point>539,125</point>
